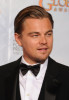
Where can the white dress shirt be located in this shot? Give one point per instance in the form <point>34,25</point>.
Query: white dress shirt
<point>30,85</point>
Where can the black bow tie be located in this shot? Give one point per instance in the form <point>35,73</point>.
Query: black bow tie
<point>35,69</point>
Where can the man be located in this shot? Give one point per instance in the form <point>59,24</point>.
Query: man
<point>34,76</point>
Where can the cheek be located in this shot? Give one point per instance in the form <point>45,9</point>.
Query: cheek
<point>50,42</point>
<point>29,45</point>
<point>32,43</point>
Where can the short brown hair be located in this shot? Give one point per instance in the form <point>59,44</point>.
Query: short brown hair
<point>30,12</point>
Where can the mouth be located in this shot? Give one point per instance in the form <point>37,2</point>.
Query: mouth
<point>43,49</point>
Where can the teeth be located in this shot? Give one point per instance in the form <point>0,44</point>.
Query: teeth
<point>42,49</point>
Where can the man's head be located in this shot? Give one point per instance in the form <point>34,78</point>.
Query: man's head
<point>33,31</point>
<point>35,12</point>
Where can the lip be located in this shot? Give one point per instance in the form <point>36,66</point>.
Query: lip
<point>43,49</point>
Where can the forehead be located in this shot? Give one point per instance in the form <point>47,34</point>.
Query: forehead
<point>34,22</point>
<point>36,25</point>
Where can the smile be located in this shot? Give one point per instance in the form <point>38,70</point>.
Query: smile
<point>43,49</point>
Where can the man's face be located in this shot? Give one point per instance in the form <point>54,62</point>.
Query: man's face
<point>36,40</point>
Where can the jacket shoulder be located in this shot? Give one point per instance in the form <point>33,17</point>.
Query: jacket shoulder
<point>57,64</point>
<point>9,68</point>
<point>59,68</point>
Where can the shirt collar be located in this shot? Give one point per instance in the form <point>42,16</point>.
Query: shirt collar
<point>23,61</point>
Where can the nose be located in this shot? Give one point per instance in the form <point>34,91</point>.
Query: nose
<point>43,40</point>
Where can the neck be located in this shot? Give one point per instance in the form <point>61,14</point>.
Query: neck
<point>28,62</point>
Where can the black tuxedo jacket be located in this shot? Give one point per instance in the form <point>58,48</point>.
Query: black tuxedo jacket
<point>55,85</point>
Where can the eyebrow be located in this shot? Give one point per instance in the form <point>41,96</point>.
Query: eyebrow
<point>39,32</point>
<point>49,31</point>
<point>34,33</point>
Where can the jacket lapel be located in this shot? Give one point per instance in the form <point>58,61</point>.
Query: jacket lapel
<point>46,93</point>
<point>16,91</point>
<point>51,83</point>
<point>12,84</point>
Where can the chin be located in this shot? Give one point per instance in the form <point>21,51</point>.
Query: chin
<point>41,60</point>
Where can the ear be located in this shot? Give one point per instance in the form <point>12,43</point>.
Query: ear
<point>18,39</point>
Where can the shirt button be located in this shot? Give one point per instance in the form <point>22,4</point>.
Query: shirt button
<point>27,94</point>
<point>30,74</point>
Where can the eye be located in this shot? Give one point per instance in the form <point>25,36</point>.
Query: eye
<point>34,35</point>
<point>49,34</point>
